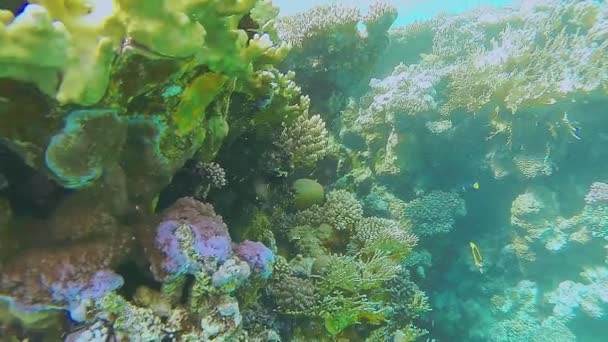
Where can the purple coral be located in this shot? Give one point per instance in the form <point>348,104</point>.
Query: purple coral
<point>63,278</point>
<point>258,256</point>
<point>598,193</point>
<point>189,236</point>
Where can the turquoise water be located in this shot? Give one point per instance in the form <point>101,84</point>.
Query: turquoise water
<point>409,10</point>
<point>379,171</point>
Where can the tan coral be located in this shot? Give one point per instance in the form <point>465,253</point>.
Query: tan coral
<point>306,140</point>
<point>298,28</point>
<point>342,210</point>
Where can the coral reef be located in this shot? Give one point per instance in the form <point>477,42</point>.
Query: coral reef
<point>211,170</point>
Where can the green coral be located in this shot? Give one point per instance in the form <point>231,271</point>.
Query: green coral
<point>374,233</point>
<point>307,192</point>
<point>354,275</point>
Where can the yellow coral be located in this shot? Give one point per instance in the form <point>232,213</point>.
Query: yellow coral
<point>68,48</point>
<point>28,37</point>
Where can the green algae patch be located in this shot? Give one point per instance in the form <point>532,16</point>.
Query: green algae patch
<point>307,192</point>
<point>201,92</point>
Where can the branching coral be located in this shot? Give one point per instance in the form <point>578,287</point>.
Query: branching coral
<point>294,296</point>
<point>342,210</point>
<point>352,275</point>
<point>296,29</point>
<point>305,140</point>
<point>434,213</point>
<point>524,323</point>
<point>544,61</point>
<point>506,67</point>
<point>373,233</point>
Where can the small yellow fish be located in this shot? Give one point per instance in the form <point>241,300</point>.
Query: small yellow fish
<point>476,256</point>
<point>476,185</point>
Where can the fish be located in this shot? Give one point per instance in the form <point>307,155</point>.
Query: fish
<point>573,128</point>
<point>476,256</point>
<point>470,186</point>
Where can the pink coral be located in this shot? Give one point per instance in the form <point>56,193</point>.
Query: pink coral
<point>189,237</point>
<point>63,277</point>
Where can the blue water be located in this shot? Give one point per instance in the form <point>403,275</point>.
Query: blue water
<point>409,10</point>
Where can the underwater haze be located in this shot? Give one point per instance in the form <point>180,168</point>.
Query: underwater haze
<point>257,170</point>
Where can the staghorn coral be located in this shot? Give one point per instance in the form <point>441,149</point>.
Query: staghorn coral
<point>380,16</point>
<point>438,127</point>
<point>351,274</point>
<point>305,140</point>
<point>410,89</point>
<point>373,233</point>
<point>506,67</point>
<point>298,28</point>
<point>322,37</point>
<point>562,61</point>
